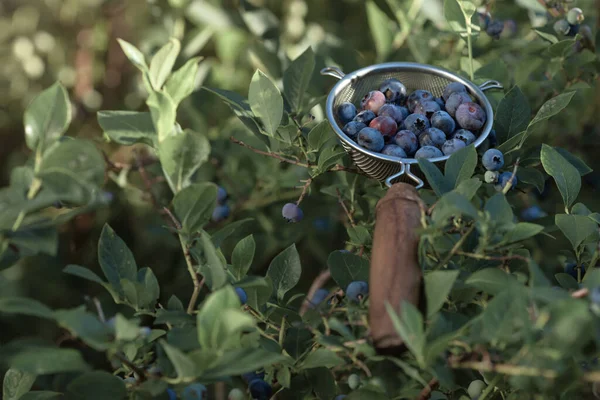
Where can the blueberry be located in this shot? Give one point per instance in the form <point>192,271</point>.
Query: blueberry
<point>357,290</point>
<point>195,391</point>
<point>452,145</point>
<point>416,123</point>
<point>466,136</point>
<point>475,388</point>
<point>455,100</point>
<point>172,395</point>
<point>532,213</point>
<point>495,28</point>
<point>408,141</point>
<point>444,122</point>
<point>571,269</point>
<point>322,224</point>
<point>470,116</point>
<point>386,125</point>
<point>575,16</point>
<point>417,97</point>
<point>260,390</point>
<point>505,179</point>
<point>394,151</point>
<point>242,295</point>
<point>292,213</point>
<point>365,116</point>
<point>145,331</point>
<point>484,20</point>
<point>562,27</point>
<point>432,137</point>
<point>428,152</point>
<point>220,213</point>
<point>427,108</point>
<point>346,112</point>
<point>352,128</point>
<point>221,195</point>
<point>130,380</point>
<point>373,101</point>
<point>393,90</point>
<point>595,295</point>
<point>492,160</point>
<point>491,176</point>
<point>250,376</point>
<point>371,139</point>
<point>340,397</point>
<point>441,103</point>
<point>453,87</point>
<point>573,30</point>
<point>393,111</point>
<point>236,394</point>
<point>318,297</point>
<point>353,381</point>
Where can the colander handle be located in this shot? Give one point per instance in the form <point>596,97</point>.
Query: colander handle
<point>333,71</point>
<point>487,85</point>
<point>405,170</point>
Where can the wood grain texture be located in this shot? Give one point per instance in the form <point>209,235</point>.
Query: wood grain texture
<point>395,274</point>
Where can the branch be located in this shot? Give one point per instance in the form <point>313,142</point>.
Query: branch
<point>304,191</point>
<point>341,201</point>
<point>268,154</point>
<point>139,372</point>
<point>426,392</point>
<point>197,283</point>
<point>493,258</point>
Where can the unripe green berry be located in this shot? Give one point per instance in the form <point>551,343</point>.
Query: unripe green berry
<point>475,388</point>
<point>491,176</point>
<point>575,16</point>
<point>353,381</point>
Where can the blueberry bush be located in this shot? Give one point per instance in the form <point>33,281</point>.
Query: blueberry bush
<point>179,221</point>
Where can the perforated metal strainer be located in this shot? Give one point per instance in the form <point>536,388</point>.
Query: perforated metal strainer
<point>353,86</point>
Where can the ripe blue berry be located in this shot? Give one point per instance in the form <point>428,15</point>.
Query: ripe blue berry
<point>505,179</point>
<point>346,112</point>
<point>408,141</point>
<point>373,101</point>
<point>575,16</point>
<point>242,295</point>
<point>393,90</point>
<point>357,290</point>
<point>432,137</point>
<point>260,390</point>
<point>221,195</point>
<point>365,116</point>
<point>195,391</point>
<point>145,331</point>
<point>484,20</point>
<point>492,160</point>
<point>428,152</point>
<point>416,123</point>
<point>318,297</point>
<point>453,87</point>
<point>532,213</point>
<point>236,394</point>
<point>220,213</point>
<point>491,176</point>
<point>393,150</point>
<point>393,111</point>
<point>172,395</point>
<point>444,122</point>
<point>370,139</point>
<point>571,269</point>
<point>250,376</point>
<point>292,213</point>
<point>352,128</point>
<point>470,116</point>
<point>427,108</point>
<point>495,28</point>
<point>452,145</point>
<point>466,136</point>
<point>455,100</point>
<point>562,27</point>
<point>417,97</point>
<point>441,103</point>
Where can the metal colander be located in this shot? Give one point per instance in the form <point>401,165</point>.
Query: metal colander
<point>353,86</point>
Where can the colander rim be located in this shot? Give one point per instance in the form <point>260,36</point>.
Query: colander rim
<point>405,66</point>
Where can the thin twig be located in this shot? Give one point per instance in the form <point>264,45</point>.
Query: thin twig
<point>341,201</point>
<point>317,284</point>
<point>456,247</point>
<point>139,372</point>
<point>493,258</point>
<point>173,219</point>
<point>197,284</point>
<point>304,191</point>
<point>266,153</point>
<point>147,182</point>
<point>426,392</point>
<point>99,309</point>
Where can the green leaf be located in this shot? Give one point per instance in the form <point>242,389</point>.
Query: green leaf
<point>321,358</point>
<point>491,280</point>
<point>47,118</point>
<point>537,278</point>
<point>116,260</point>
<point>438,285</point>
<point>242,256</point>
<point>163,111</point>
<point>297,341</point>
<point>241,361</point>
<point>240,108</point>
<point>522,231</point>
<point>461,166</point>
<point>134,55</point>
<point>86,326</point>
<point>297,77</point>
<point>506,316</point>
<point>184,366</point>
<point>16,383</point>
<point>577,162</point>
<point>25,306</point>
<point>258,289</point>
<point>148,289</point>
<point>162,63</point>
<point>213,269</point>
<point>329,157</point>
<point>320,135</point>
<point>219,236</point>
<point>347,267</point>
<point>127,127</point>
<point>469,187</point>
<point>531,176</point>
<point>410,328</point>
<point>499,209</point>
<point>41,395</point>
<point>97,385</point>
<point>565,175</point>
<point>182,82</point>
<point>566,281</point>
<point>194,206</point>
<point>379,24</point>
<point>181,155</point>
<point>458,14</point>
<point>322,382</point>
<point>285,270</point>
<point>452,204</point>
<point>266,102</point>
<point>575,227</point>
<point>46,360</point>
<point>552,107</point>
<point>83,272</point>
<point>513,114</point>
<point>436,180</point>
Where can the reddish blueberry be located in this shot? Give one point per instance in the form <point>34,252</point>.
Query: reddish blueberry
<point>373,101</point>
<point>393,111</point>
<point>386,125</point>
<point>455,100</point>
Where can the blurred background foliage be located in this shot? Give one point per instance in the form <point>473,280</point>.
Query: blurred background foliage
<point>74,41</point>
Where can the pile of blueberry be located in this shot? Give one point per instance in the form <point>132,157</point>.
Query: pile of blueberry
<point>221,211</point>
<point>418,125</point>
<point>493,161</point>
